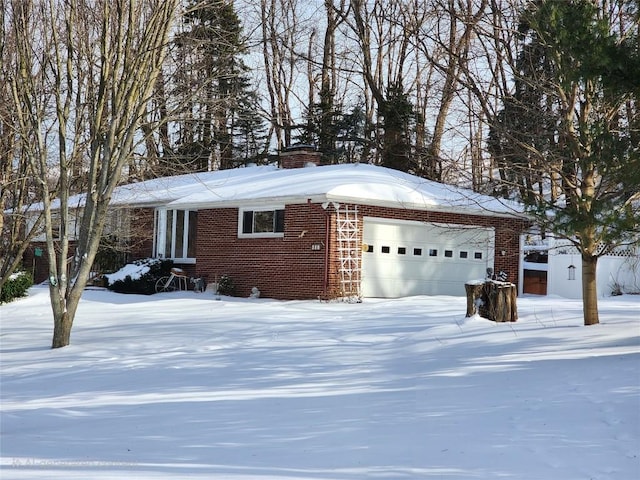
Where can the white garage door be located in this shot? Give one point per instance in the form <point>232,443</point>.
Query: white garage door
<point>403,258</point>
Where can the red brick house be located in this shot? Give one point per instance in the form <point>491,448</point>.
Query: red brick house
<point>301,231</point>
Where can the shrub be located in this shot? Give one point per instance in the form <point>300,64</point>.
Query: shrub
<point>226,285</point>
<point>112,254</point>
<point>140,276</point>
<point>16,286</point>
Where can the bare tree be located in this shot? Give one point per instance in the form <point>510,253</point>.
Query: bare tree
<point>383,34</point>
<point>17,190</point>
<point>16,184</point>
<point>280,30</point>
<point>80,90</point>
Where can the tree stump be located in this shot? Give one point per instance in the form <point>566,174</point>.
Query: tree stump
<point>492,300</point>
<point>474,296</point>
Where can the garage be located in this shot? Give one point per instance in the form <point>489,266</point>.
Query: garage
<point>402,258</point>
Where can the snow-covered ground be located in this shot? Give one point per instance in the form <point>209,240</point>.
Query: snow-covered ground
<point>179,385</point>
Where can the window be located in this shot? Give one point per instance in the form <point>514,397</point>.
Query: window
<point>417,252</point>
<point>477,255</point>
<point>433,252</point>
<point>72,227</point>
<point>55,225</point>
<point>448,253</point>
<point>402,251</point>
<point>175,234</point>
<point>385,249</point>
<point>261,222</point>
<point>369,249</point>
<point>464,254</point>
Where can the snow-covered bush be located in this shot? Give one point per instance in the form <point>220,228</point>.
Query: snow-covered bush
<point>139,277</point>
<point>16,286</point>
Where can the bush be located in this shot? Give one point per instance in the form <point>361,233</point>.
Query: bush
<point>16,286</point>
<point>226,285</point>
<point>112,254</point>
<point>140,276</point>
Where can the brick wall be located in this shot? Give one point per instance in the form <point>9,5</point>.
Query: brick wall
<point>299,158</point>
<point>37,266</point>
<point>141,233</point>
<point>288,267</point>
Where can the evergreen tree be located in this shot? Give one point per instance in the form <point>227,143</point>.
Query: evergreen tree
<point>568,138</point>
<point>350,138</point>
<point>339,136</point>
<point>397,112</point>
<point>211,53</point>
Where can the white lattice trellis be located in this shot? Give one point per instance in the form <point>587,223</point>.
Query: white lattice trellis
<point>570,249</point>
<point>347,227</point>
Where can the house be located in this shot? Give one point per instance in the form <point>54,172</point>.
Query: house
<point>302,231</point>
<point>554,267</point>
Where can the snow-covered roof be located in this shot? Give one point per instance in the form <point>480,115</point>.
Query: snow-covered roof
<point>347,183</point>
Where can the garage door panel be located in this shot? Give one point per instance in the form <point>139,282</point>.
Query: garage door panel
<point>415,262</point>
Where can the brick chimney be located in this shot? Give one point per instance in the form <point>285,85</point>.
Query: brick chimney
<point>298,156</point>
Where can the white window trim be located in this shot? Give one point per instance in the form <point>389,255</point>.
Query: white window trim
<point>262,208</point>
<point>159,235</point>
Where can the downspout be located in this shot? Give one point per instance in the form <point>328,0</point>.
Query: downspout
<point>327,238</point>
<point>327,224</point>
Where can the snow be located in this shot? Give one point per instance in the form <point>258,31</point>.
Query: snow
<point>179,385</point>
<point>16,275</point>
<point>132,270</point>
<point>540,267</point>
<point>354,183</point>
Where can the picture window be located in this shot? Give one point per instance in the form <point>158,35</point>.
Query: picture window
<point>175,234</point>
<point>262,222</point>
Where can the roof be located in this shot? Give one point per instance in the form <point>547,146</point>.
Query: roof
<point>346,183</point>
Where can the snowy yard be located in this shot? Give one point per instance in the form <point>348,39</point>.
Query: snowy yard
<point>180,385</point>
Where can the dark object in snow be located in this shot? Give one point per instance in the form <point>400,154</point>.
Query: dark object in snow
<point>501,276</point>
<point>199,284</point>
<point>144,284</point>
<point>493,300</point>
<point>226,285</point>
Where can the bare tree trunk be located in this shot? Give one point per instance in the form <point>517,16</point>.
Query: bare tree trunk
<point>589,290</point>
<point>455,54</point>
<point>327,82</point>
<point>279,36</point>
<point>16,175</point>
<point>97,82</point>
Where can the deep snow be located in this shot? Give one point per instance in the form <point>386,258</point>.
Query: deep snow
<point>179,385</point>
<point>353,182</point>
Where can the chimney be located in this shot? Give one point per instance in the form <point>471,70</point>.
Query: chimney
<point>299,156</point>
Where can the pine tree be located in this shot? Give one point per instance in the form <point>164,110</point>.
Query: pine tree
<point>567,140</point>
<point>211,52</point>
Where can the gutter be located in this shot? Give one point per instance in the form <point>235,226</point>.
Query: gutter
<point>321,198</point>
